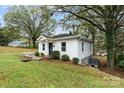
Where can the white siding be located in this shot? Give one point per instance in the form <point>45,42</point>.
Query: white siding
<point>40,48</point>
<point>87,50</point>
<point>71,47</point>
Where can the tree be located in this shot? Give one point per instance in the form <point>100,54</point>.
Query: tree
<point>105,18</point>
<point>93,31</point>
<point>80,27</point>
<point>32,21</point>
<point>8,34</point>
<point>100,45</point>
<point>120,42</point>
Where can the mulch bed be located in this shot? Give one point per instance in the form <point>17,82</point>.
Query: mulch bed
<point>116,71</point>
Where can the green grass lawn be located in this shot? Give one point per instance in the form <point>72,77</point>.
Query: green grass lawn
<point>14,73</point>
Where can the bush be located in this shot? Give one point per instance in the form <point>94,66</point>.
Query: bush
<point>55,55</point>
<point>65,57</point>
<point>75,60</point>
<point>121,63</point>
<point>42,54</point>
<point>37,53</point>
<point>120,57</point>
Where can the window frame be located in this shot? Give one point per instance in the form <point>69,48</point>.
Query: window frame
<point>82,46</point>
<point>63,46</point>
<point>90,47</point>
<point>43,47</point>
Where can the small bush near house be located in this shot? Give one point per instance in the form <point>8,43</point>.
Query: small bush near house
<point>42,54</point>
<point>75,60</point>
<point>121,63</point>
<point>55,55</point>
<point>37,53</point>
<point>65,57</point>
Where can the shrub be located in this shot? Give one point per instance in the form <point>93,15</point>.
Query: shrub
<point>55,55</point>
<point>65,57</point>
<point>121,63</point>
<point>37,53</point>
<point>75,60</point>
<point>42,54</point>
<point>120,57</point>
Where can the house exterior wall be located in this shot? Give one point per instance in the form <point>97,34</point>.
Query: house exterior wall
<point>40,47</point>
<point>73,48</point>
<point>87,51</point>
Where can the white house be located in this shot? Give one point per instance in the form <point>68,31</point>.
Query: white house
<point>72,45</point>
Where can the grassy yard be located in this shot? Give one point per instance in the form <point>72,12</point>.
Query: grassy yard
<point>14,73</point>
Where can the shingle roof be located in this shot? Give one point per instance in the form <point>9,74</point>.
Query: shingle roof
<point>59,35</point>
<point>67,35</point>
<point>62,35</point>
<point>46,35</point>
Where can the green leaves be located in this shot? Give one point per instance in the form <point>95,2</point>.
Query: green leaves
<point>31,20</point>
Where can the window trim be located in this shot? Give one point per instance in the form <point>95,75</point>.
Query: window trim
<point>82,46</point>
<point>43,47</point>
<point>63,48</point>
<point>90,47</point>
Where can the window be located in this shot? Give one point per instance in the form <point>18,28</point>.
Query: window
<point>63,46</point>
<point>43,46</point>
<point>90,47</point>
<point>82,46</point>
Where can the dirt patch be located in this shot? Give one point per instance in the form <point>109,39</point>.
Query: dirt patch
<point>119,72</point>
<point>2,76</point>
<point>113,71</point>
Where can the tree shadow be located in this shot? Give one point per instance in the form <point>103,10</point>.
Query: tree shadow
<point>119,72</point>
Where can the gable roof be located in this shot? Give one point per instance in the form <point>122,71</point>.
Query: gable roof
<point>64,36</point>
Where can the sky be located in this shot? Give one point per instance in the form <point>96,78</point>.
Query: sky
<point>4,10</point>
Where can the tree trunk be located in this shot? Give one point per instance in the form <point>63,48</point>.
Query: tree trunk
<point>110,48</point>
<point>93,36</point>
<point>115,47</point>
<point>34,43</point>
<point>29,42</point>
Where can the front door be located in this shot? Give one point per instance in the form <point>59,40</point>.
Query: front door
<point>50,48</point>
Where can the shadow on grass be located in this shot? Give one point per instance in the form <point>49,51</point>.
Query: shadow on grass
<point>116,71</point>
